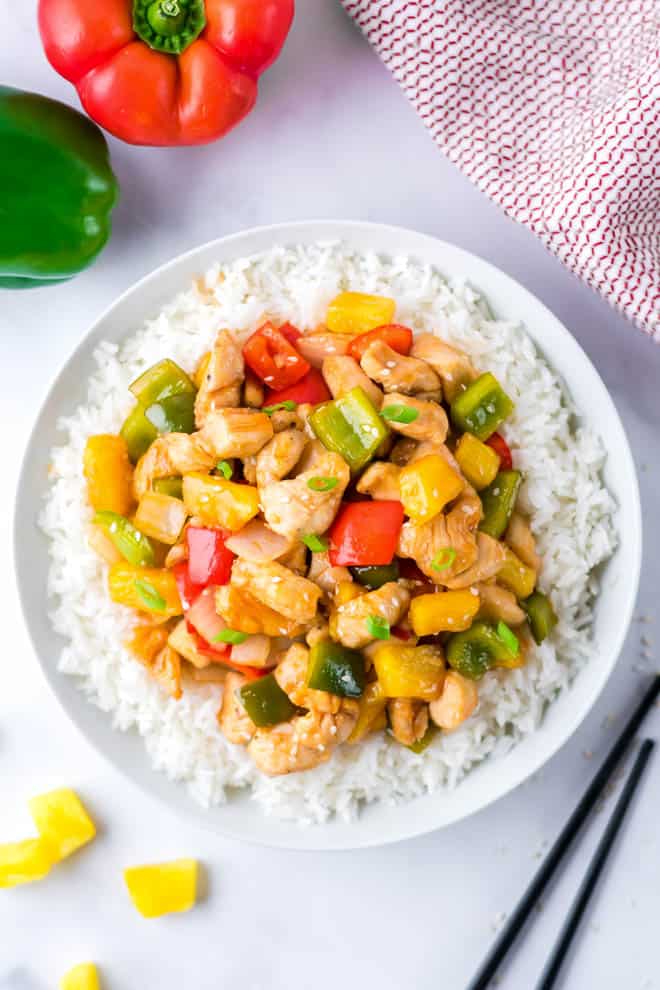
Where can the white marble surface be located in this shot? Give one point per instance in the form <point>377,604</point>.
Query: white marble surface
<point>332,136</point>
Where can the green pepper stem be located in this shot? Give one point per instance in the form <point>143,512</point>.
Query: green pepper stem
<point>169,26</point>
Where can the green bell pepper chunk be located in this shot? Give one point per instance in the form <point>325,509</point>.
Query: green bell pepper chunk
<point>266,703</point>
<point>160,381</point>
<point>542,616</point>
<point>174,414</point>
<point>375,576</point>
<point>169,486</point>
<point>498,501</point>
<point>336,669</point>
<point>138,433</point>
<point>482,407</point>
<point>350,426</point>
<point>425,741</point>
<point>473,652</point>
<point>57,190</point>
<point>133,545</point>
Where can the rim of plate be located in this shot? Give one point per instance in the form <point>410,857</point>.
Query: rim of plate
<point>379,823</point>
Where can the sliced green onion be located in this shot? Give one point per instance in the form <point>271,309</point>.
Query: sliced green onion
<point>508,637</point>
<point>225,468</point>
<point>322,484</point>
<point>314,542</point>
<point>444,559</point>
<point>400,414</point>
<point>150,596</point>
<point>378,627</point>
<point>232,636</point>
<point>287,404</point>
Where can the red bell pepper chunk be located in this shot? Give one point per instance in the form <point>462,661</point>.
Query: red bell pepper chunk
<point>209,560</point>
<point>311,389</point>
<point>273,358</point>
<point>502,449</point>
<point>290,332</point>
<point>365,533</point>
<point>188,590</point>
<point>397,337</point>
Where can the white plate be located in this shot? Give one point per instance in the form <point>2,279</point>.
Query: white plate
<point>378,823</point>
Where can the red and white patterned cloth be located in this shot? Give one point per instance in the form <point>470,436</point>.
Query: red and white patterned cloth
<point>552,108</point>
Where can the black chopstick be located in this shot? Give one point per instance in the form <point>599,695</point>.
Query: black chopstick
<point>560,951</point>
<point>546,871</point>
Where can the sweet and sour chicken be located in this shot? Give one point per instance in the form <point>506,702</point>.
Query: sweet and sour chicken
<point>327,527</point>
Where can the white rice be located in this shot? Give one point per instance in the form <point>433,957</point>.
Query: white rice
<point>571,517</point>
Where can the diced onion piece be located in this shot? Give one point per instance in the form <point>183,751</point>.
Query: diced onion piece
<point>161,517</point>
<point>204,618</point>
<point>257,542</point>
<point>253,652</point>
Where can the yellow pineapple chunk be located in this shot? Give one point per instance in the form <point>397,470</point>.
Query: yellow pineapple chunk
<point>62,822</point>
<point>162,888</point>
<point>23,862</point>
<point>81,977</point>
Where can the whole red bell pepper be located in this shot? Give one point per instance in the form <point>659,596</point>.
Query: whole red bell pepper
<point>365,533</point>
<point>164,72</point>
<point>311,389</point>
<point>273,358</point>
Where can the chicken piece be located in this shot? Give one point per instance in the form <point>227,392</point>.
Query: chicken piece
<point>280,589</point>
<point>244,613</point>
<point>402,451</point>
<point>319,633</point>
<point>235,432</point>
<point>291,675</point>
<point>283,419</point>
<point>457,702</point>
<point>425,447</point>
<point>256,542</point>
<point>462,521</point>
<point>342,373</point>
<point>304,742</point>
<point>454,367</point>
<point>521,540</point>
<point>349,623</point>
<point>279,456</point>
<point>181,640</point>
<point>234,721</point>
<point>166,669</point>
<point>499,604</point>
<point>177,554</point>
<point>253,392</point>
<point>295,559</point>
<point>223,377</point>
<point>293,509</point>
<point>491,555</point>
<point>313,455</point>
<point>381,481</point>
<point>168,456</point>
<point>398,373</point>
<point>409,719</point>
<point>317,346</point>
<point>431,423</point>
<point>426,543</point>
<point>250,469</point>
<point>327,577</point>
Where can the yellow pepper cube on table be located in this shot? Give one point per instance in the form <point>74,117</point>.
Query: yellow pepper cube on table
<point>443,611</point>
<point>163,888</point>
<point>427,485</point>
<point>81,977</point>
<point>62,822</point>
<point>359,312</point>
<point>24,862</point>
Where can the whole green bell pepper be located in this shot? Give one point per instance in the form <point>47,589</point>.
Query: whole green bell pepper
<point>57,190</point>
